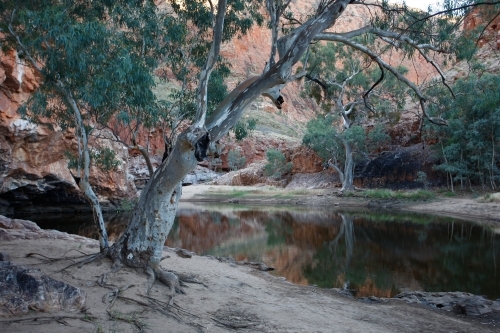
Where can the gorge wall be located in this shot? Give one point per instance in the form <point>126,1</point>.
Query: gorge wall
<point>34,170</point>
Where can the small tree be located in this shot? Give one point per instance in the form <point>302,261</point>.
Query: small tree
<point>235,160</point>
<point>330,144</point>
<point>339,80</point>
<point>276,165</point>
<point>244,128</point>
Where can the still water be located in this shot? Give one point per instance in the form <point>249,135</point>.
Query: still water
<point>369,253</point>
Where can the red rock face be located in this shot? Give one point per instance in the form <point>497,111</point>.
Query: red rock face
<point>491,34</point>
<point>33,166</point>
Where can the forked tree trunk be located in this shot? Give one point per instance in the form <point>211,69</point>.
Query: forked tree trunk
<point>142,243</point>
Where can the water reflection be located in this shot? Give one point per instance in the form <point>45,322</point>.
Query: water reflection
<point>369,253</point>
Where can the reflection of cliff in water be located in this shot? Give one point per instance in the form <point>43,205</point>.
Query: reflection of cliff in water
<point>373,254</point>
<point>370,253</point>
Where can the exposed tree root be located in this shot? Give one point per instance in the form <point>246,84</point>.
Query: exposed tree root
<point>114,294</point>
<point>174,281</point>
<point>169,279</point>
<point>63,257</point>
<point>46,319</point>
<point>131,318</point>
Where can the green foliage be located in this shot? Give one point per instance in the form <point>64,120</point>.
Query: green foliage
<point>377,137</point>
<point>469,145</point>
<point>187,42</point>
<point>127,204</point>
<point>276,165</point>
<point>356,137</point>
<point>73,161</point>
<point>323,138</point>
<point>84,45</point>
<point>235,160</point>
<point>389,194</point>
<point>422,178</point>
<point>103,158</point>
<point>243,128</point>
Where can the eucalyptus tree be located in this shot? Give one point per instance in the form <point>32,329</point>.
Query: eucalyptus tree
<point>142,243</point>
<point>338,78</point>
<point>469,146</point>
<point>95,58</point>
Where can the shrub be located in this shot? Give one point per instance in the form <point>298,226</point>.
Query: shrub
<point>422,178</point>
<point>235,160</point>
<point>243,128</point>
<point>276,165</point>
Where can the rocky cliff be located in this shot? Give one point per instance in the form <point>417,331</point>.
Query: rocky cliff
<point>34,172</point>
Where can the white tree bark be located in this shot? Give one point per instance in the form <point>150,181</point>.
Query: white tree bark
<point>84,181</point>
<point>143,241</point>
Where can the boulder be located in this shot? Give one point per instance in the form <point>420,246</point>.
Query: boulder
<point>459,302</point>
<point>24,288</point>
<point>397,168</point>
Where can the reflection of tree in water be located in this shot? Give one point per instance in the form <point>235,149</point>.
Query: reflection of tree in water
<point>467,260</point>
<point>386,255</point>
<point>347,232</point>
<point>373,253</point>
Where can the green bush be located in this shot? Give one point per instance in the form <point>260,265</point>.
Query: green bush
<point>422,178</point>
<point>469,144</point>
<point>235,160</point>
<point>104,159</point>
<point>408,195</point>
<point>276,165</point>
<point>243,128</point>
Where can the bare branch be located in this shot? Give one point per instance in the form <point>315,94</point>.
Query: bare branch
<point>375,57</point>
<point>18,40</point>
<point>367,93</point>
<point>202,100</point>
<point>291,48</point>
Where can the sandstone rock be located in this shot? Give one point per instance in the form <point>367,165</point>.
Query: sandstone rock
<point>323,179</point>
<point>199,175</point>
<point>397,168</point>
<point>254,147</point>
<point>305,160</point>
<point>23,289</point>
<point>491,34</point>
<point>111,183</point>
<point>7,223</point>
<point>33,167</point>
<point>459,302</point>
<point>251,175</point>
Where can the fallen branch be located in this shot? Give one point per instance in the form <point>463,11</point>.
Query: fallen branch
<point>49,319</point>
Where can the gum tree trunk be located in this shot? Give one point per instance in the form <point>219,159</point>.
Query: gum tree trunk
<point>153,217</point>
<point>142,243</point>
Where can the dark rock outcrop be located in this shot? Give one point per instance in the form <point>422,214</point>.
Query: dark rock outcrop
<point>24,288</point>
<point>398,168</point>
<point>458,302</point>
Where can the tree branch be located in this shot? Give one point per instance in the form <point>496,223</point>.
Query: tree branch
<point>375,57</point>
<point>201,98</point>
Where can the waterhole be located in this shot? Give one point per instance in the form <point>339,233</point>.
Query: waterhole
<point>365,252</point>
